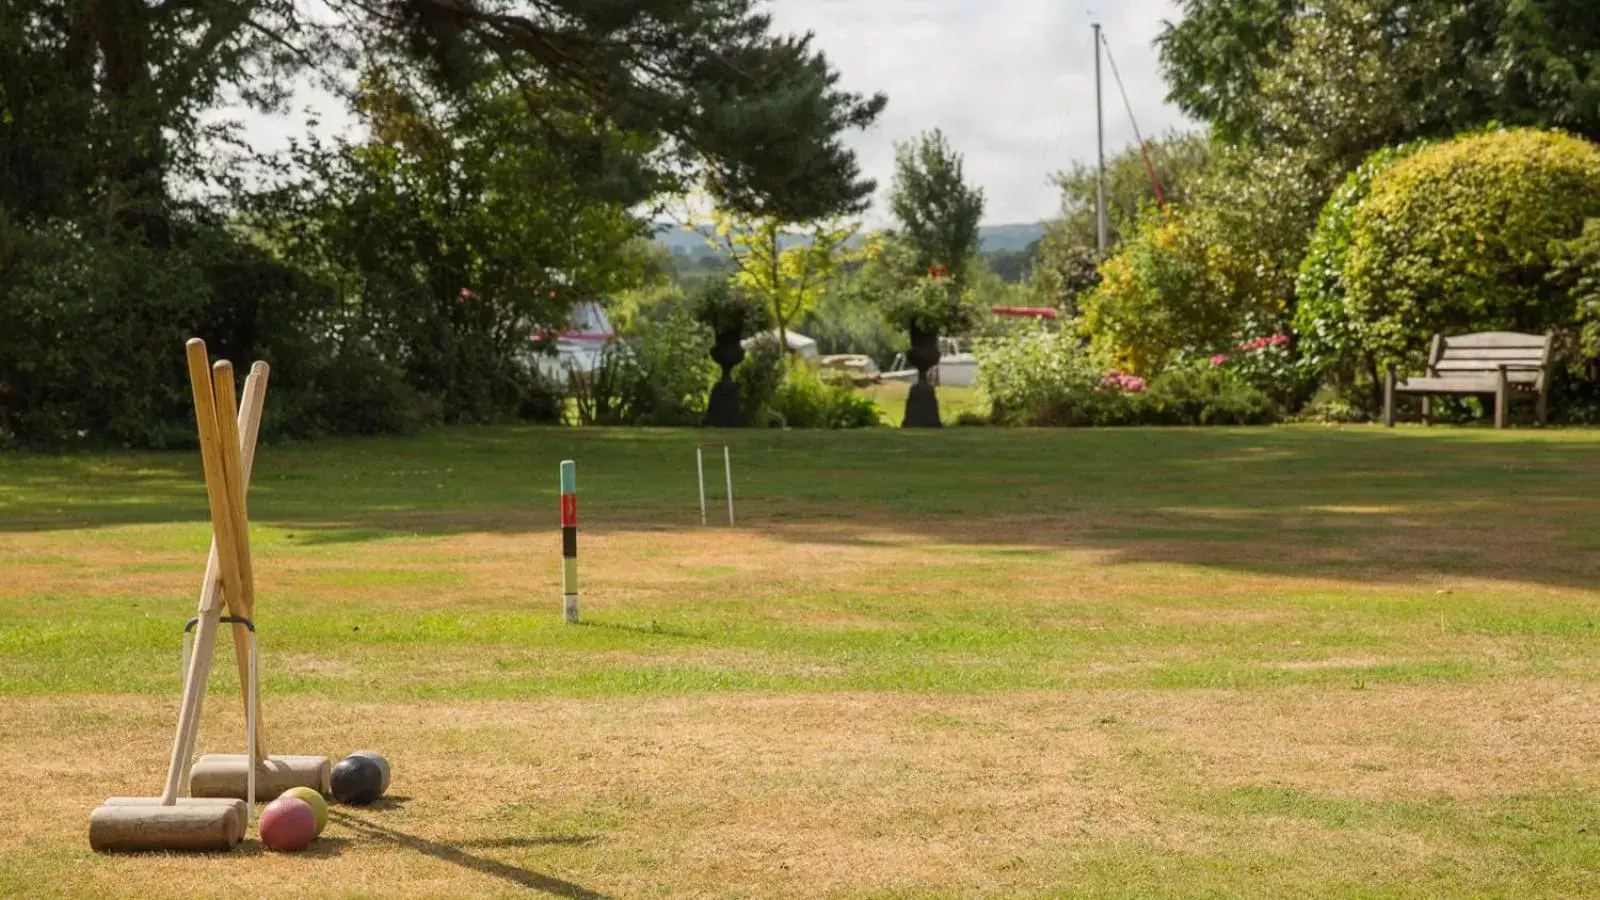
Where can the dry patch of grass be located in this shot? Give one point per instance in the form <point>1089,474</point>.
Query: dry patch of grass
<point>844,794</point>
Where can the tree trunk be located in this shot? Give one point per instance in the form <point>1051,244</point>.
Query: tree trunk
<point>136,165</point>
<point>1377,384</point>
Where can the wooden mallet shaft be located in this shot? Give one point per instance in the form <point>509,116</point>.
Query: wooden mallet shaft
<point>242,603</point>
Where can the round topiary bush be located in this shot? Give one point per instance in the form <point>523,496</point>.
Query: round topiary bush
<point>1462,236</point>
<point>1331,343</point>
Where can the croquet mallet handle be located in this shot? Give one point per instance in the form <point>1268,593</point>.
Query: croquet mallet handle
<point>244,602</point>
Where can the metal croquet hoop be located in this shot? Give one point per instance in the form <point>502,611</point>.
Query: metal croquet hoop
<point>249,709</point>
<point>727,474</point>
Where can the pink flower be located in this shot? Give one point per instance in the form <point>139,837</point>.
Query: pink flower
<point>1261,343</point>
<point>1219,359</point>
<point>1131,383</point>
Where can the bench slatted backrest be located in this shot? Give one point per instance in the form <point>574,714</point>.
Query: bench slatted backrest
<point>1525,355</point>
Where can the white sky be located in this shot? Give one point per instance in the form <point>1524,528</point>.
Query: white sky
<point>1011,82</point>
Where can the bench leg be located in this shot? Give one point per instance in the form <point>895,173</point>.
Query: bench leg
<point>1501,398</point>
<point>1388,398</point>
<point>1539,410</point>
<point>1427,410</point>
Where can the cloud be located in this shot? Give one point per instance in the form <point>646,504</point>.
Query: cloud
<point>1011,83</point>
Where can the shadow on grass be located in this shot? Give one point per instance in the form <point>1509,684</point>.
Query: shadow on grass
<point>1363,504</point>
<point>653,629</point>
<point>576,840</point>
<point>321,848</point>
<point>388,802</point>
<point>455,855</point>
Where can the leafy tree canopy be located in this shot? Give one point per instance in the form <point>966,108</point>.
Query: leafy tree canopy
<point>937,211</point>
<point>1178,160</point>
<point>1346,77</point>
<point>758,115</point>
<point>788,278</point>
<point>512,145</point>
<point>716,97</point>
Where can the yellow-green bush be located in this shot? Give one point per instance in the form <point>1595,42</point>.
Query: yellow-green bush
<point>1152,298</point>
<point>1181,287</point>
<point>1462,236</point>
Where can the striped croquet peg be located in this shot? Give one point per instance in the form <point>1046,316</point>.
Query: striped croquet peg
<point>569,539</point>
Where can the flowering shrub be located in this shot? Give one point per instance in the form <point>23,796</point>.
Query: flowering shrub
<point>1118,381</point>
<point>1041,377</point>
<point>1268,363</point>
<point>1207,395</point>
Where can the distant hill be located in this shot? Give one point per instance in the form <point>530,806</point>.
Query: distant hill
<point>991,238</point>
<point>680,241</point>
<point>994,238</point>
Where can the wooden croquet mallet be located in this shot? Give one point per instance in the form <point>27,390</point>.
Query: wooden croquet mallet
<point>227,450</point>
<point>210,611</point>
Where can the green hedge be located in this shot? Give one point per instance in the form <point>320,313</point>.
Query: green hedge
<point>92,331</point>
<point>1330,338</point>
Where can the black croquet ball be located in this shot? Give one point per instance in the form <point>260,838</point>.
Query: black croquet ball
<point>357,780</point>
<point>383,765</point>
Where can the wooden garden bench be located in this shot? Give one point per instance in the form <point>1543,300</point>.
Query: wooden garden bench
<point>1498,363</point>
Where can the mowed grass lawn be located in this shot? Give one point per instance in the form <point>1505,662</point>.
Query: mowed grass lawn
<point>1287,662</point>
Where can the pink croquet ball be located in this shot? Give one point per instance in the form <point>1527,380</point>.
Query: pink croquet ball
<point>288,824</point>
